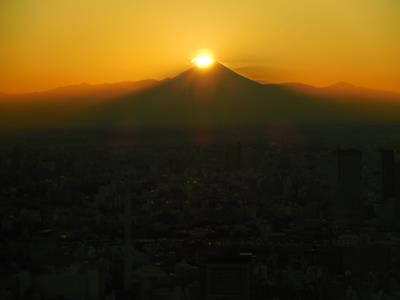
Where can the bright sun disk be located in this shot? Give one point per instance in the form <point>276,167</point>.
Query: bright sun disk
<point>203,61</point>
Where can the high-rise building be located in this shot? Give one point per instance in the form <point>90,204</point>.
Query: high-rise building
<point>389,206</point>
<point>227,277</point>
<point>397,182</point>
<point>388,174</point>
<point>348,201</point>
<point>17,158</point>
<point>233,156</point>
<point>128,243</point>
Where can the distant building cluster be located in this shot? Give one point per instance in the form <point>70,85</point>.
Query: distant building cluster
<point>90,220</point>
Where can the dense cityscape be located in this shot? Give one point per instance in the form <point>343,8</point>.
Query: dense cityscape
<point>91,218</point>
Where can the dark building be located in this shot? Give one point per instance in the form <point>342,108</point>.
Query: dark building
<point>233,156</point>
<point>348,204</point>
<point>227,277</point>
<point>389,205</point>
<point>17,158</point>
<point>397,182</point>
<point>388,174</point>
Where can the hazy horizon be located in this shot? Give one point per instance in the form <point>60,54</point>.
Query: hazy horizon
<point>102,83</point>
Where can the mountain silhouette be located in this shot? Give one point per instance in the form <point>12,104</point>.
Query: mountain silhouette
<point>220,97</point>
<point>74,105</point>
<point>215,97</point>
<point>197,97</point>
<point>82,92</point>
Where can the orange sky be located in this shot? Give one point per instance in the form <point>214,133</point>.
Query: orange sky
<point>47,43</point>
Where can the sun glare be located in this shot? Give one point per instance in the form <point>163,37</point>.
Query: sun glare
<point>203,61</point>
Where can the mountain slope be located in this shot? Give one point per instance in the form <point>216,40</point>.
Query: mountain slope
<point>195,97</point>
<point>200,98</point>
<point>64,107</point>
<point>85,92</point>
<point>218,97</point>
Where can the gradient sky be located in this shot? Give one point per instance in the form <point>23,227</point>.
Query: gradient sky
<point>48,43</point>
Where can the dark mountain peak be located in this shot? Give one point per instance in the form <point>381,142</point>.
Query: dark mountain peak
<point>216,74</point>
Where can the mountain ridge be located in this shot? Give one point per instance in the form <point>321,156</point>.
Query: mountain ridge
<point>213,97</point>
<point>338,84</point>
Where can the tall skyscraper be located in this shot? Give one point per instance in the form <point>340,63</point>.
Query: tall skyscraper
<point>348,203</point>
<point>233,156</point>
<point>128,243</point>
<point>388,174</point>
<point>227,277</point>
<point>389,205</point>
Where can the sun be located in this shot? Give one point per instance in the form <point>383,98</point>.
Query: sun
<point>203,61</point>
